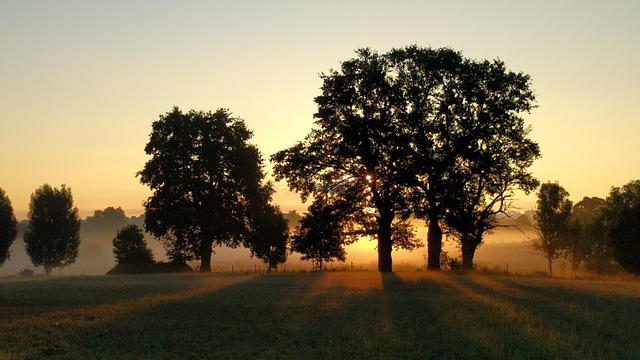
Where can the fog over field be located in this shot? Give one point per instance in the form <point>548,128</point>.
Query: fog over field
<point>505,247</point>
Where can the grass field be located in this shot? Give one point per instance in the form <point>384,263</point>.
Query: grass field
<point>341,315</point>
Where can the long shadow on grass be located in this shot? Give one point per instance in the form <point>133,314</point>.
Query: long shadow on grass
<point>439,320</point>
<point>281,316</point>
<point>355,316</point>
<point>57,318</point>
<point>256,318</point>
<point>582,323</point>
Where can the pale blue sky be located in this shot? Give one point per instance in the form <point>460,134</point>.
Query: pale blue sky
<point>82,81</point>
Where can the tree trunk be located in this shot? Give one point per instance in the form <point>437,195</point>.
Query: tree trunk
<point>550,267</point>
<point>385,263</point>
<point>205,256</point>
<point>468,252</point>
<point>574,262</point>
<point>434,244</point>
<point>47,270</point>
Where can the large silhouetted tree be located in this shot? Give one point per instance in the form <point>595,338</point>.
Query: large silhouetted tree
<point>8,226</point>
<point>355,145</point>
<point>468,145</point>
<point>205,177</point>
<point>622,219</point>
<point>401,125</point>
<point>52,236</point>
<point>552,222</point>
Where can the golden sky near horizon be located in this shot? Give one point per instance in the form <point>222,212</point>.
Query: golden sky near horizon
<point>82,81</point>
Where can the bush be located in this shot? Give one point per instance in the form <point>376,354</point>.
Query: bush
<point>152,268</point>
<point>26,272</point>
<point>130,248</point>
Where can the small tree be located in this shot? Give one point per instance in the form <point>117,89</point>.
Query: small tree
<point>130,248</point>
<point>52,236</point>
<point>319,237</point>
<point>552,217</point>
<point>8,226</point>
<point>270,236</point>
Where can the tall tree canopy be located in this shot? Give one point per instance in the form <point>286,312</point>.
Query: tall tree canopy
<point>552,217</point>
<point>468,146</point>
<point>400,127</point>
<point>355,147</point>
<point>622,219</point>
<point>205,177</point>
<point>52,236</point>
<point>8,226</point>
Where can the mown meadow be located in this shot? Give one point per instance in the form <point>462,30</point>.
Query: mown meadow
<point>332,315</point>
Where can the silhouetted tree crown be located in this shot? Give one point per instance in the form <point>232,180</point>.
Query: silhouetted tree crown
<point>130,248</point>
<point>269,238</point>
<point>622,219</point>
<point>52,236</point>
<point>397,129</point>
<point>206,178</point>
<point>109,219</point>
<point>8,226</point>
<point>320,236</point>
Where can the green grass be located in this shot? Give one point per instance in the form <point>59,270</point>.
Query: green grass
<point>318,316</point>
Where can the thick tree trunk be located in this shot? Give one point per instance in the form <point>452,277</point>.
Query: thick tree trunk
<point>205,256</point>
<point>468,252</point>
<point>434,244</point>
<point>385,263</point>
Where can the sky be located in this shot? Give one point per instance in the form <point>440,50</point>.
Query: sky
<point>82,81</point>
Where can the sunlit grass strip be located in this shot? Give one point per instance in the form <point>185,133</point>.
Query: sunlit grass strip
<point>362,315</point>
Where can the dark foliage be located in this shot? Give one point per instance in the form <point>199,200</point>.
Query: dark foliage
<point>320,236</point>
<point>400,127</point>
<point>8,226</point>
<point>269,236</point>
<point>108,220</point>
<point>151,268</point>
<point>587,244</point>
<point>130,248</point>
<point>622,219</point>
<point>468,143</point>
<point>205,179</point>
<point>52,236</point>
